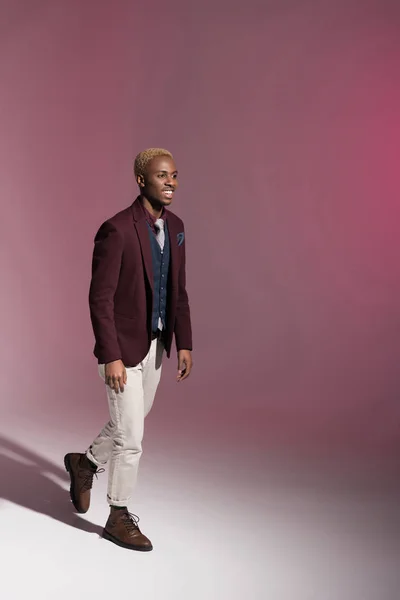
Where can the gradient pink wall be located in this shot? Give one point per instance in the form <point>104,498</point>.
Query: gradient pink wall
<point>284,121</point>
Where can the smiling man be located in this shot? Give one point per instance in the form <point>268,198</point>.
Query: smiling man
<point>138,302</point>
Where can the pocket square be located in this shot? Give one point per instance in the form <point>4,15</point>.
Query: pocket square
<point>180,237</point>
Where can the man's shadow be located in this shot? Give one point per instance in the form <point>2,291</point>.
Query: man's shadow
<point>26,479</point>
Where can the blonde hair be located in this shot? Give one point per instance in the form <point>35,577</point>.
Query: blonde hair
<point>143,159</point>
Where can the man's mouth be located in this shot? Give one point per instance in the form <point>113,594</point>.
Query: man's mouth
<point>168,193</point>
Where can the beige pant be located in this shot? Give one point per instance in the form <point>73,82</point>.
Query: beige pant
<point>121,439</point>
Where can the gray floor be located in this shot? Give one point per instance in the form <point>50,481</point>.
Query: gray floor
<point>226,523</point>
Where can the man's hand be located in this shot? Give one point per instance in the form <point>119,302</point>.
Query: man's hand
<point>115,375</point>
<point>185,363</point>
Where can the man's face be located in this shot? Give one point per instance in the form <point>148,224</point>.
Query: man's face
<point>160,181</point>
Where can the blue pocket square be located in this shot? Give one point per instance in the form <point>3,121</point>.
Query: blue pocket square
<point>180,237</point>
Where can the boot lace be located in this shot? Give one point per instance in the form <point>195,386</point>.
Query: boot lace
<point>130,521</point>
<point>87,479</point>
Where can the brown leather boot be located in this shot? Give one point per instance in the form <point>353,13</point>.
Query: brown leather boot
<point>122,529</point>
<point>81,471</point>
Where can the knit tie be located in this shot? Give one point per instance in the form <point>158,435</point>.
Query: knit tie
<point>159,225</point>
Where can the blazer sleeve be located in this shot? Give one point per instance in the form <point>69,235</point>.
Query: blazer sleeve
<point>106,265</point>
<point>183,327</point>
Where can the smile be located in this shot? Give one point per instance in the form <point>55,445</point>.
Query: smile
<point>168,193</point>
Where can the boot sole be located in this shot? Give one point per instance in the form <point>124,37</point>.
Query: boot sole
<point>111,538</point>
<point>67,465</point>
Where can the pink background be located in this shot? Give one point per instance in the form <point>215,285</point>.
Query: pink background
<point>283,117</point>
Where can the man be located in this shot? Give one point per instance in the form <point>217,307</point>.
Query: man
<point>138,301</point>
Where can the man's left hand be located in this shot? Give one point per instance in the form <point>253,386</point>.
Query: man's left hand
<point>185,363</point>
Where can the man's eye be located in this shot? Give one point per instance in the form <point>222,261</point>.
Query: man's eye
<point>175,176</point>
<point>161,175</point>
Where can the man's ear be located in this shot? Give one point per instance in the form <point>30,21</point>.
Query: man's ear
<point>140,181</point>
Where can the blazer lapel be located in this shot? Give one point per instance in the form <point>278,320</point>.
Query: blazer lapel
<point>174,251</point>
<point>143,235</point>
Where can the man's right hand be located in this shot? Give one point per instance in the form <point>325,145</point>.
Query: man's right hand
<point>115,375</point>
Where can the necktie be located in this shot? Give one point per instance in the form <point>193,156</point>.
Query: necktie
<point>159,225</point>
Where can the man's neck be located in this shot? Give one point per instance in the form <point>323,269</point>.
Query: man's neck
<point>156,211</point>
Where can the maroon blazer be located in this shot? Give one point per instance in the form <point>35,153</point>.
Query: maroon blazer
<point>121,289</point>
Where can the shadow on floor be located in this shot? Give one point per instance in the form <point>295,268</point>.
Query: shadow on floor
<point>26,480</point>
